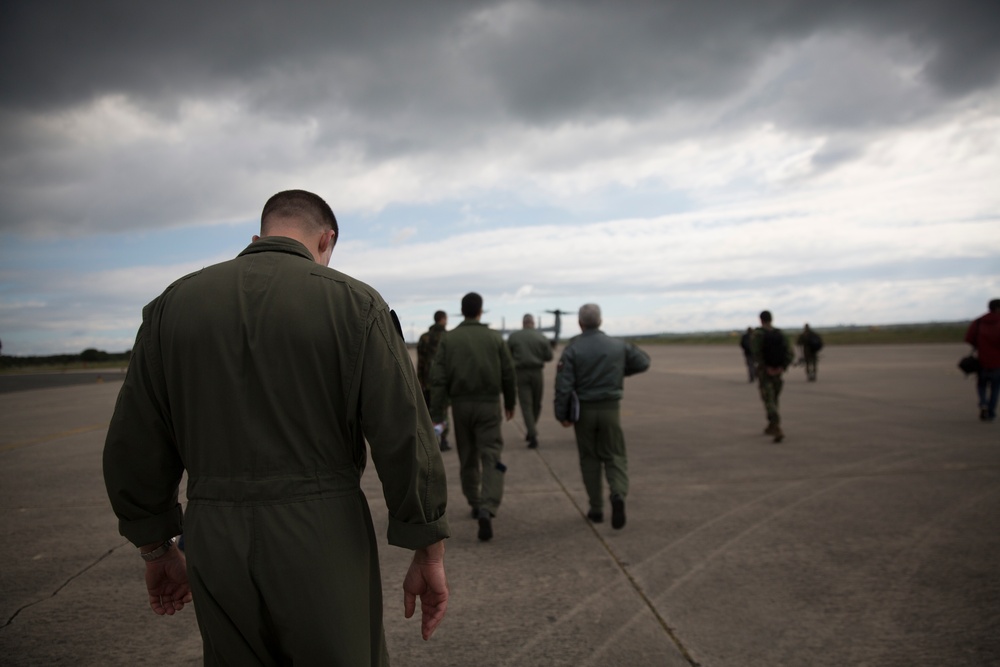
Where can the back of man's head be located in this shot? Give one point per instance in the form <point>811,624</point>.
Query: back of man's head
<point>590,316</point>
<point>765,316</point>
<point>298,209</point>
<point>995,306</point>
<point>440,316</point>
<point>472,305</point>
<point>528,321</point>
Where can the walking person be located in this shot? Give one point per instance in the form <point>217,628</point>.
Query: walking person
<point>773,353</point>
<point>262,378</point>
<point>984,335</point>
<point>811,343</point>
<point>591,376</point>
<point>529,350</point>
<point>426,349</point>
<point>472,369</point>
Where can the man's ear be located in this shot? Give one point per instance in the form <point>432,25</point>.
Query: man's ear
<point>327,240</point>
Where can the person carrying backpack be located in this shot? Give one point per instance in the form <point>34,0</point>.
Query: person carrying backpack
<point>811,343</point>
<point>772,353</point>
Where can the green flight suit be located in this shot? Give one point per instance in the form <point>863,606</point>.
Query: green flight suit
<point>529,349</point>
<point>263,377</point>
<point>594,367</point>
<point>471,369</point>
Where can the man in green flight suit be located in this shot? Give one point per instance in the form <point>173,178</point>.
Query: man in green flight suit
<point>591,376</point>
<point>471,369</point>
<point>773,353</point>
<point>426,349</point>
<point>530,350</point>
<point>263,377</point>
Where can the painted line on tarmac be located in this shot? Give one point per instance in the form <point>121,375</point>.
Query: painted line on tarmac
<point>621,566</point>
<point>55,436</point>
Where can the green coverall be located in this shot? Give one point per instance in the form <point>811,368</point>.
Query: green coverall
<point>262,377</point>
<point>594,367</point>
<point>529,350</point>
<point>471,369</point>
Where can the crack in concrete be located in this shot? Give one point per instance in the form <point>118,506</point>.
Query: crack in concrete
<point>60,587</point>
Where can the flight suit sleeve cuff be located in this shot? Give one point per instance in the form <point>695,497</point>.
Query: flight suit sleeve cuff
<point>153,528</point>
<point>417,536</point>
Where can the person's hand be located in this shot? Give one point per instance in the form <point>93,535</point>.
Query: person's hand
<point>167,583</point>
<point>509,413</point>
<point>566,423</point>
<point>426,579</point>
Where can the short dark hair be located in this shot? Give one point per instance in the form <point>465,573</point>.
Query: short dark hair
<point>765,316</point>
<point>472,304</point>
<point>302,206</point>
<point>995,306</point>
<point>440,315</point>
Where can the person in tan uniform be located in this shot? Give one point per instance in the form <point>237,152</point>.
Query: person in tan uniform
<point>263,377</point>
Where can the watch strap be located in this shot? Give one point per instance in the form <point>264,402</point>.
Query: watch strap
<point>158,551</point>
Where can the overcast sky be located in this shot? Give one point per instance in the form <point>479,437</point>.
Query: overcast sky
<point>683,164</point>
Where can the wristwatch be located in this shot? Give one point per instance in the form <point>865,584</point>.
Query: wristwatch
<point>158,551</point>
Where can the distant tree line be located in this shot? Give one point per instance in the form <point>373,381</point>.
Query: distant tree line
<point>85,358</point>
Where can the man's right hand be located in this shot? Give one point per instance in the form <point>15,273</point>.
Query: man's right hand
<point>167,583</point>
<point>426,580</point>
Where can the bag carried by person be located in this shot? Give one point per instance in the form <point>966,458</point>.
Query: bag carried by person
<point>814,341</point>
<point>774,349</point>
<point>969,364</point>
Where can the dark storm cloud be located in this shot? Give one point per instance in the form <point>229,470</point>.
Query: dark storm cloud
<point>537,61</point>
<point>384,80</point>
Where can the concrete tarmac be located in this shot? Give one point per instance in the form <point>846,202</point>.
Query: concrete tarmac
<point>870,536</point>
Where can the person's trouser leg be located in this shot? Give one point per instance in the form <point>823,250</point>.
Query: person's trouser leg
<point>525,396</point>
<point>489,444</point>
<point>272,579</point>
<point>529,395</point>
<point>989,390</point>
<point>770,389</point>
<point>586,430</point>
<point>537,382</point>
<point>464,416</point>
<point>611,449</point>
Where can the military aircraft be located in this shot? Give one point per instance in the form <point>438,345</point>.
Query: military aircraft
<point>556,328</point>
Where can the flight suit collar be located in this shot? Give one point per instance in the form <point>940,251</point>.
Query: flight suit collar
<point>278,244</point>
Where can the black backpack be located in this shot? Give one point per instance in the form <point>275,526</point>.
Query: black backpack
<point>774,348</point>
<point>814,342</point>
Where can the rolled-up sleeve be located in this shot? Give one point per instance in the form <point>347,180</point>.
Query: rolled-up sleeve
<point>403,446</point>
<point>142,468</point>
